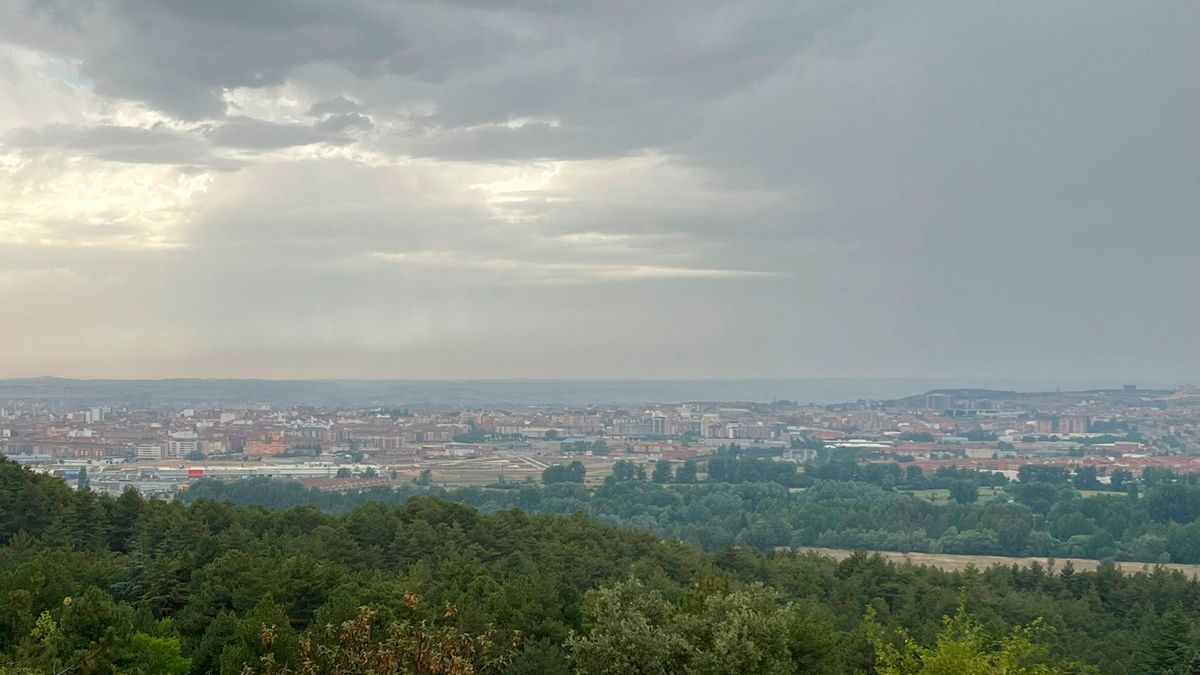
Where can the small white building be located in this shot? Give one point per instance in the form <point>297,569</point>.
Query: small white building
<point>183,443</point>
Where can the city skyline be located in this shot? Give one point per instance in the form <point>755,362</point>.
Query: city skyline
<point>587,190</point>
<point>160,443</point>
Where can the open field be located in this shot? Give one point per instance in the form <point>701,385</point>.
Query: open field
<point>490,470</point>
<point>1097,493</point>
<point>942,495</point>
<point>955,563</point>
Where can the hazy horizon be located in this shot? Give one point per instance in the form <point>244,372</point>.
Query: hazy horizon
<point>1083,383</point>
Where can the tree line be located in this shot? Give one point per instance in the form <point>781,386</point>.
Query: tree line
<point>835,505</point>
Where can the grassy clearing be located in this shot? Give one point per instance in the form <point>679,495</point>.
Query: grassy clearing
<point>955,563</point>
<point>942,495</point>
<point>1097,493</point>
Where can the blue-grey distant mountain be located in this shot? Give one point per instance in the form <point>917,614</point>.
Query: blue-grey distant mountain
<point>474,393</point>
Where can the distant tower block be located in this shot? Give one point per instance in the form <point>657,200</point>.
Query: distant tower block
<point>937,402</point>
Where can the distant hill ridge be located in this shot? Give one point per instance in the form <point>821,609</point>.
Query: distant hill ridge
<point>976,394</point>
<point>177,392</point>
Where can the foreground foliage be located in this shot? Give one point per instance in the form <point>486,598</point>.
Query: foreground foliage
<point>962,647</point>
<point>91,584</point>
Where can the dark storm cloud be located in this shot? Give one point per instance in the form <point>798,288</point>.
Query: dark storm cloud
<point>178,56</point>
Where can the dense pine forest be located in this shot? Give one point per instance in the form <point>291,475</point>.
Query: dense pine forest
<point>92,584</point>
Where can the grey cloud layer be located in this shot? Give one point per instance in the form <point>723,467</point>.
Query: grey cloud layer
<point>678,188</point>
<point>137,145</point>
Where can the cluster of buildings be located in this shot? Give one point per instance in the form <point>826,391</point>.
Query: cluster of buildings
<point>1126,428</point>
<point>36,433</point>
<point>1123,428</point>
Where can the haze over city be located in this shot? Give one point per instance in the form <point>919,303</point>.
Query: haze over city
<point>758,189</point>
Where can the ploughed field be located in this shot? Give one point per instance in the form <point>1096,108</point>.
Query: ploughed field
<point>954,563</point>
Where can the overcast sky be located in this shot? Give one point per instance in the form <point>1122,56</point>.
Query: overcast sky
<point>608,188</point>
